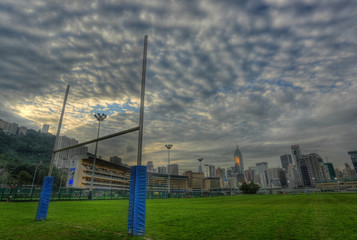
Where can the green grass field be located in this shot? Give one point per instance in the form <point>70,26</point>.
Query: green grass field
<point>314,216</point>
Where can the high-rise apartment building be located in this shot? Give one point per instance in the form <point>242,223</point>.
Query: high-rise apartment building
<point>276,178</point>
<point>5,126</point>
<point>13,129</point>
<point>353,155</point>
<point>45,128</point>
<point>282,177</point>
<point>249,175</point>
<point>62,159</point>
<point>22,131</point>
<point>221,173</point>
<point>238,161</point>
<point>162,170</point>
<point>261,167</point>
<point>173,169</point>
<point>150,166</point>
<point>286,159</point>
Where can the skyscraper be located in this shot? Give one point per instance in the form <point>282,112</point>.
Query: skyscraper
<point>261,174</point>
<point>353,155</point>
<point>304,171</point>
<point>238,160</point>
<point>313,163</point>
<point>221,173</point>
<point>296,151</point>
<point>331,170</point>
<point>348,172</point>
<point>292,176</point>
<point>211,171</point>
<point>285,161</point>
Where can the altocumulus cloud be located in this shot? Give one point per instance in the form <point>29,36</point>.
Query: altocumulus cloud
<point>267,74</point>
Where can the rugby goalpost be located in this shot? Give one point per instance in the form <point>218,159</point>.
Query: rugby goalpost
<point>138,174</point>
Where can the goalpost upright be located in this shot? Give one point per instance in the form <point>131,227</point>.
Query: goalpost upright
<point>138,174</point>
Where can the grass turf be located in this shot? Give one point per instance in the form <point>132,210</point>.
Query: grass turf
<point>314,216</point>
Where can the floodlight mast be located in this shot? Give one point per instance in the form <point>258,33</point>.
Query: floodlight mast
<point>168,146</point>
<point>200,160</point>
<point>100,118</point>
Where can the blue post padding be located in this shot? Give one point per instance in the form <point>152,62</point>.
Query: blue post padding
<point>131,200</point>
<point>44,198</point>
<point>137,201</point>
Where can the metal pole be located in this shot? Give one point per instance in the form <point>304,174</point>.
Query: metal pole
<point>168,146</point>
<point>141,119</point>
<point>93,167</point>
<point>168,172</point>
<point>58,132</point>
<point>200,160</point>
<point>33,180</point>
<point>98,139</point>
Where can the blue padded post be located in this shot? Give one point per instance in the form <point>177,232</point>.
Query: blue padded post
<point>44,198</point>
<point>137,201</point>
<point>131,200</point>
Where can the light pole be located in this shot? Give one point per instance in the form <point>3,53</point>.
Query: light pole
<point>100,118</point>
<point>338,184</point>
<point>34,176</point>
<point>200,160</point>
<point>168,146</point>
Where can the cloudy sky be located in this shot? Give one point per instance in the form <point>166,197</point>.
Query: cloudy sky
<point>266,74</point>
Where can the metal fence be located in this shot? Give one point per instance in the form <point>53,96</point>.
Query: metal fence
<point>71,194</point>
<point>61,194</point>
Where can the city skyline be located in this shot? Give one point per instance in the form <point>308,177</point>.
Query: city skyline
<point>285,159</point>
<point>268,74</point>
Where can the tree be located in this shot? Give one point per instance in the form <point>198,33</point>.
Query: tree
<point>24,178</point>
<point>250,188</point>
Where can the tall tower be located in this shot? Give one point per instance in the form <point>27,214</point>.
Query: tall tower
<point>285,161</point>
<point>296,151</point>
<point>353,155</point>
<point>238,161</point>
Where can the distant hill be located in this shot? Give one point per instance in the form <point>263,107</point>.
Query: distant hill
<point>20,154</point>
<point>30,148</point>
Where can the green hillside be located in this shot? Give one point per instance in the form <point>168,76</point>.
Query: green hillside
<point>19,156</point>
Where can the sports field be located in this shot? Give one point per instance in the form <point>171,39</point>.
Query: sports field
<point>314,216</point>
